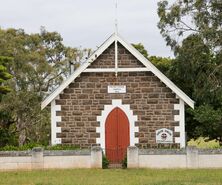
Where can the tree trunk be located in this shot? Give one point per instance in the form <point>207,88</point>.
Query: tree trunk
<point>22,132</point>
<point>22,137</point>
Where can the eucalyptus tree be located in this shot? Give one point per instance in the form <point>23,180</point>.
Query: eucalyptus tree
<point>40,64</point>
<point>184,17</point>
<point>193,29</point>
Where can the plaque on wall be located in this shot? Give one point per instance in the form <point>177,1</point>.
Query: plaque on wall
<point>116,89</point>
<point>164,135</point>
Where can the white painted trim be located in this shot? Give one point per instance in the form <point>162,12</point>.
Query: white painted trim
<point>116,55</point>
<point>108,70</point>
<point>54,120</point>
<point>181,119</point>
<point>102,120</point>
<point>134,52</point>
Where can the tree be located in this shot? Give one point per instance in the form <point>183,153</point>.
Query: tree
<point>192,67</point>
<point>37,67</point>
<point>192,72</point>
<point>140,47</point>
<point>40,64</point>
<point>76,56</point>
<point>162,63</point>
<point>185,17</point>
<point>193,29</point>
<point>4,75</point>
<point>5,137</point>
<point>209,121</point>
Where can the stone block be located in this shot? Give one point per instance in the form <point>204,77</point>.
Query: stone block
<point>192,157</point>
<point>132,157</point>
<point>37,158</point>
<point>96,157</point>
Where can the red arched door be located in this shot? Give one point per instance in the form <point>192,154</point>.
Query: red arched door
<point>116,135</point>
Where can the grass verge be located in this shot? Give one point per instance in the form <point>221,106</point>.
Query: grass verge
<point>120,177</point>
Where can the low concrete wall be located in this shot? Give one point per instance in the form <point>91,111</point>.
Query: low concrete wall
<point>184,158</point>
<point>39,159</point>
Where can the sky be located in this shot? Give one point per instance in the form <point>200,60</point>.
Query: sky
<point>88,23</point>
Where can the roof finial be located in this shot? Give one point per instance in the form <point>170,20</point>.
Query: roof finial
<point>116,17</point>
<point>116,33</point>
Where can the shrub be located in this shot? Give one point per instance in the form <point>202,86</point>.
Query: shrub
<point>105,162</point>
<point>202,142</point>
<point>7,137</point>
<point>61,147</point>
<point>30,146</point>
<point>124,162</point>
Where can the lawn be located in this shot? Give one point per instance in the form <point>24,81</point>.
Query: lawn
<point>129,176</point>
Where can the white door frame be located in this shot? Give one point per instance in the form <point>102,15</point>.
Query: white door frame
<point>102,121</point>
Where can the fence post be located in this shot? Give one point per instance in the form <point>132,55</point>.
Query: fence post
<point>192,157</point>
<point>37,158</point>
<point>132,157</point>
<point>96,157</point>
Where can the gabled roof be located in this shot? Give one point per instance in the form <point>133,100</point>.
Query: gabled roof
<point>136,54</point>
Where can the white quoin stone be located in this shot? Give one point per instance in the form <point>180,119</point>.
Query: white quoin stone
<point>54,120</point>
<point>181,119</point>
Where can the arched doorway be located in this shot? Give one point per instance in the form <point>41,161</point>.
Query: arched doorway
<point>116,135</point>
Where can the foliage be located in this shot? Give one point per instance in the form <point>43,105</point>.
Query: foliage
<point>208,120</point>
<point>40,63</point>
<point>61,147</point>
<point>76,56</point>
<point>193,64</point>
<point>6,136</point>
<point>25,109</point>
<point>140,47</point>
<point>185,17</point>
<point>193,70</point>
<point>105,162</point>
<point>162,63</point>
<point>30,146</point>
<point>4,75</point>
<point>124,162</point>
<point>36,68</point>
<point>25,147</point>
<point>193,29</point>
<point>38,59</point>
<point>202,142</point>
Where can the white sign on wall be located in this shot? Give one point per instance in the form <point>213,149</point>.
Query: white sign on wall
<point>116,89</point>
<point>164,135</point>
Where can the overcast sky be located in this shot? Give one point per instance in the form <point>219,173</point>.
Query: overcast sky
<point>88,23</point>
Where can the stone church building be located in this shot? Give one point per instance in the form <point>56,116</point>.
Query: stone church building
<point>115,99</point>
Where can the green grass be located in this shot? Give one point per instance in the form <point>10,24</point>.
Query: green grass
<point>127,177</point>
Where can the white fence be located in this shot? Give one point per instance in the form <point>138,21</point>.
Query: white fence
<point>163,158</point>
<point>136,158</point>
<point>39,159</point>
